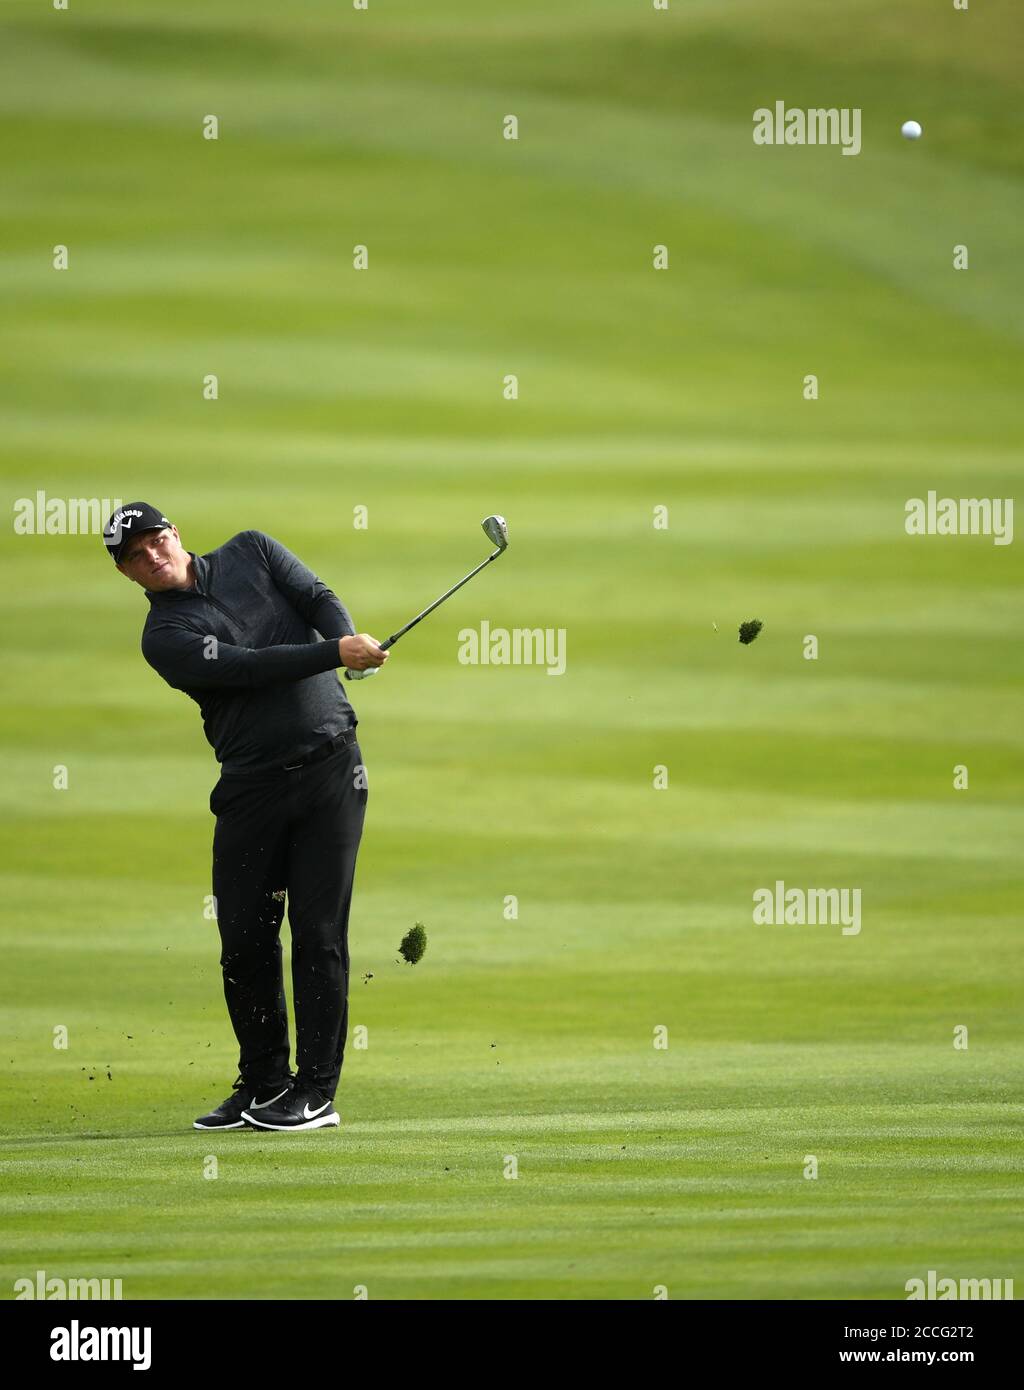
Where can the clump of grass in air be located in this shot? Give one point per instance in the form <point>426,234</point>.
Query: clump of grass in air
<point>414,943</point>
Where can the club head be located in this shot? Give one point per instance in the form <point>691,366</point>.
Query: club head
<point>496,530</point>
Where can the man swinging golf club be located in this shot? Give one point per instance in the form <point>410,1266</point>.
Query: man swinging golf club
<point>238,630</point>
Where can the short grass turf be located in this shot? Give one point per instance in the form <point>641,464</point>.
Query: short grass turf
<point>527,1045</point>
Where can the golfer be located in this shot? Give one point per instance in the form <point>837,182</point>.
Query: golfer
<point>239,631</point>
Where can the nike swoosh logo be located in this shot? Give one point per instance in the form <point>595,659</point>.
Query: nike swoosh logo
<point>262,1105</point>
<point>312,1114</point>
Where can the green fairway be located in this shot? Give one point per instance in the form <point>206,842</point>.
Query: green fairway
<point>511,1129</point>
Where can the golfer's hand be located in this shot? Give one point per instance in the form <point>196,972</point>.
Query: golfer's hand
<point>361,652</point>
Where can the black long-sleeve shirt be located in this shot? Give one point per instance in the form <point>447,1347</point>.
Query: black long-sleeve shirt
<point>245,645</point>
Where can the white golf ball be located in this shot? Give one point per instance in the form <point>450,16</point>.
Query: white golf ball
<point>911,130</point>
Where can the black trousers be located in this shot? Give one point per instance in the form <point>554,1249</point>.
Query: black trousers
<point>297,831</point>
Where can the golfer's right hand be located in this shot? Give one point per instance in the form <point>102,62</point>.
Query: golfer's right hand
<point>361,652</point>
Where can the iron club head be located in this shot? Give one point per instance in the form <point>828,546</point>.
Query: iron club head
<point>496,530</point>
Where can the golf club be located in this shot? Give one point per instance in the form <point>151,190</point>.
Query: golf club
<point>496,530</point>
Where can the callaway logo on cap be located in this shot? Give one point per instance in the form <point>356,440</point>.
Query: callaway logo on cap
<point>129,521</point>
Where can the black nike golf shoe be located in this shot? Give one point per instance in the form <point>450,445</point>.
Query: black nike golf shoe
<point>301,1108</point>
<point>228,1115</point>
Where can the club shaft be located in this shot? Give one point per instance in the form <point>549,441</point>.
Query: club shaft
<point>437,602</point>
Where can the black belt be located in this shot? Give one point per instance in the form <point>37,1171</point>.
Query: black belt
<point>323,750</point>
